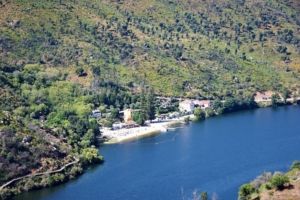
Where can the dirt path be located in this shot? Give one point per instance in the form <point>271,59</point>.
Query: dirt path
<point>39,174</point>
<point>292,192</point>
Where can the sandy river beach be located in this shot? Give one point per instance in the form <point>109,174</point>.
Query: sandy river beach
<point>155,126</point>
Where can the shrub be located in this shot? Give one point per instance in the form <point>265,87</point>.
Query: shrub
<point>246,190</point>
<point>204,196</point>
<point>199,113</point>
<point>271,193</point>
<point>278,181</point>
<point>295,165</point>
<point>187,119</point>
<point>268,187</point>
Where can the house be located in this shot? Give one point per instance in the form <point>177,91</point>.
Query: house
<point>186,105</point>
<point>96,113</point>
<point>203,104</point>
<point>131,124</point>
<point>128,113</point>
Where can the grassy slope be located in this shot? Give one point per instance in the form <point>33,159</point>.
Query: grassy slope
<point>50,32</point>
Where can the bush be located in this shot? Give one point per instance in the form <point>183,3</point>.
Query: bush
<point>75,170</point>
<point>295,165</point>
<point>199,113</point>
<point>108,124</point>
<point>271,193</point>
<point>204,196</point>
<point>246,190</point>
<point>187,119</point>
<point>90,156</point>
<point>210,112</point>
<point>278,181</point>
<point>268,186</point>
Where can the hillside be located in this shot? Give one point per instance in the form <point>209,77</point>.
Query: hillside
<point>277,186</point>
<point>197,48</point>
<point>59,60</point>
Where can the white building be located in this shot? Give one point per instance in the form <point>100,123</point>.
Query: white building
<point>96,113</point>
<point>186,105</point>
<point>203,104</point>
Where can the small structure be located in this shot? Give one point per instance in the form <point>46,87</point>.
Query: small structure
<point>203,104</point>
<point>96,113</point>
<point>116,126</point>
<point>187,105</point>
<point>131,124</point>
<point>128,113</point>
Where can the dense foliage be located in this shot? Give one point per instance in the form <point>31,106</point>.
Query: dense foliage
<point>245,191</point>
<point>203,49</point>
<point>279,181</point>
<point>295,165</point>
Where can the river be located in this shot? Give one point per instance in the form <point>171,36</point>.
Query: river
<point>217,155</point>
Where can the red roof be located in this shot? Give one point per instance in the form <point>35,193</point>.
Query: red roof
<point>131,122</point>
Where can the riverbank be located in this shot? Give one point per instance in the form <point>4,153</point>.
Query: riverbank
<point>68,171</point>
<point>121,135</point>
<point>274,186</point>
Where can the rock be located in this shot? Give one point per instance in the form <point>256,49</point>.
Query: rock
<point>19,63</point>
<point>14,23</point>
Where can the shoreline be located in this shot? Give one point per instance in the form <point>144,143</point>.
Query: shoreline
<point>121,135</point>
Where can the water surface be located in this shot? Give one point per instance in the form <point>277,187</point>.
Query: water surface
<point>217,155</point>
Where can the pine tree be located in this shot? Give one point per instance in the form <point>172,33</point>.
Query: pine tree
<point>150,104</point>
<point>143,105</point>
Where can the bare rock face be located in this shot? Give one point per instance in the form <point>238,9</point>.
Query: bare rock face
<point>14,23</point>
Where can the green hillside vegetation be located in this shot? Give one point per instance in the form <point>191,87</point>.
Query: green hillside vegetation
<point>61,59</point>
<point>31,148</point>
<point>203,49</point>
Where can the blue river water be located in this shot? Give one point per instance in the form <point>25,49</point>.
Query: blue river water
<point>216,155</point>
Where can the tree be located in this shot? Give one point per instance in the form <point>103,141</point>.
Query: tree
<point>187,119</point>
<point>274,99</point>
<point>143,104</point>
<point>285,94</point>
<point>79,71</point>
<point>278,181</point>
<point>204,195</point>
<point>246,190</point>
<point>114,113</point>
<point>230,105</point>
<point>108,124</point>
<point>137,117</point>
<point>295,97</point>
<point>217,106</point>
<point>295,165</point>
<point>89,136</point>
<point>90,156</point>
<point>150,105</point>
<point>140,120</point>
<point>199,113</point>
<point>281,49</point>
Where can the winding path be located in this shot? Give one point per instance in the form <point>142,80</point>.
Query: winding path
<point>38,174</point>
